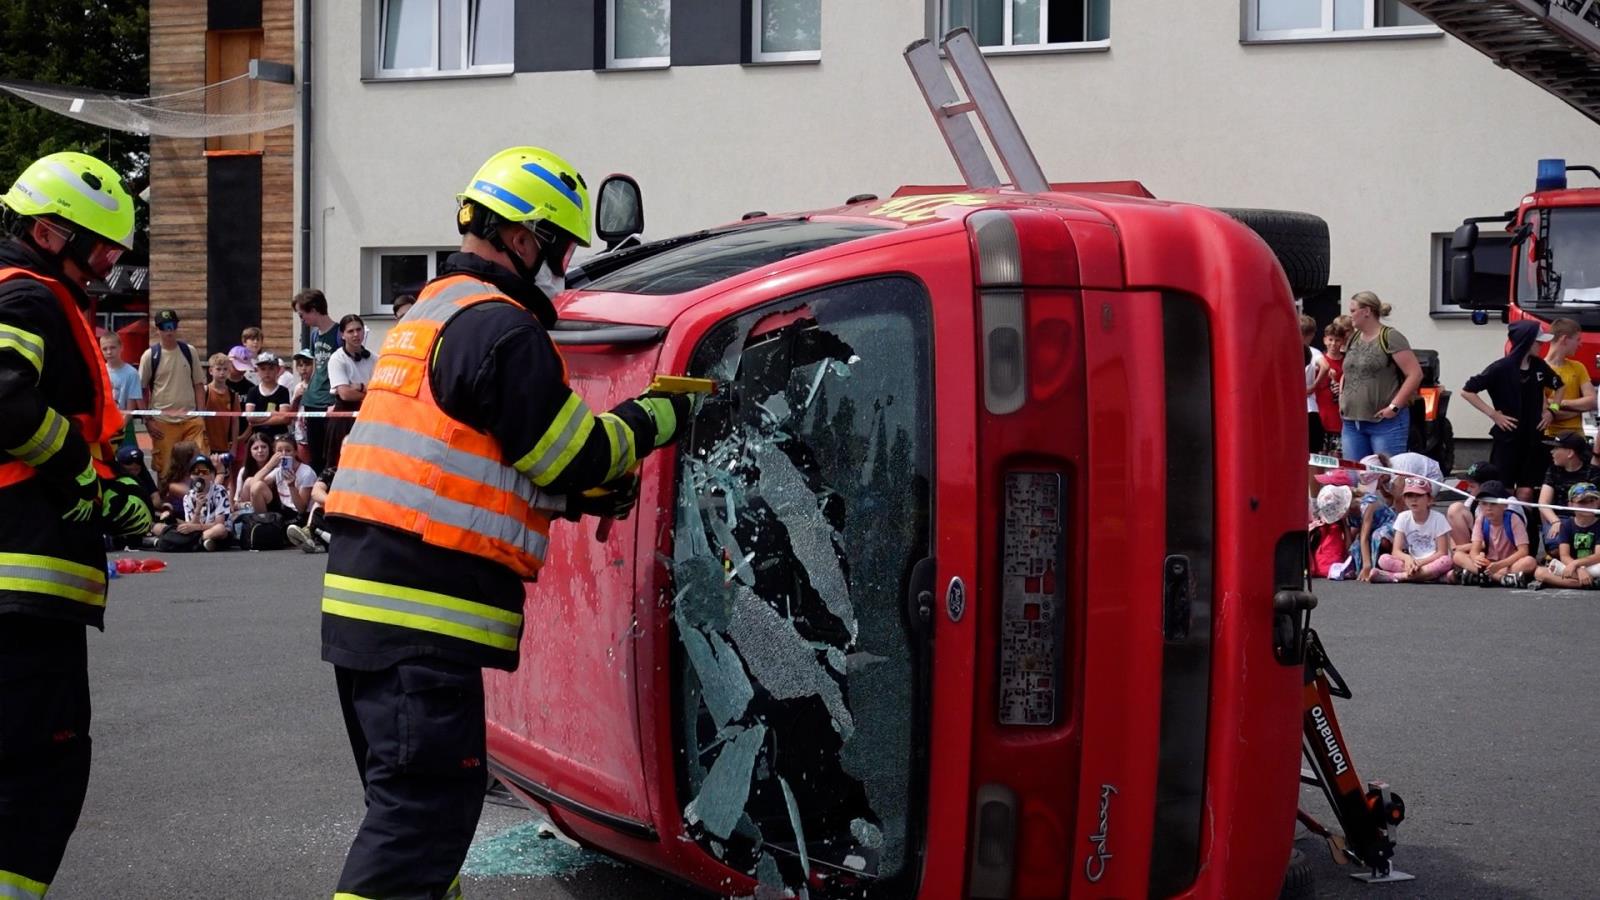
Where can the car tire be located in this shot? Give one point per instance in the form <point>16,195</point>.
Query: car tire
<point>1299,881</point>
<point>1299,241</point>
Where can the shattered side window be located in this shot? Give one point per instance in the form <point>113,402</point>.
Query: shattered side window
<point>803,504</point>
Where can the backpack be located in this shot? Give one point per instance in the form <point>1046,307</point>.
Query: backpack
<point>263,531</point>
<point>155,363</point>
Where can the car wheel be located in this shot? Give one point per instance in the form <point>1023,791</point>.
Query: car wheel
<point>1299,240</point>
<point>1299,882</point>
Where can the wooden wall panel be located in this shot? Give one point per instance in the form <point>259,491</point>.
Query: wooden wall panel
<point>278,279</point>
<point>178,171</point>
<point>178,218</point>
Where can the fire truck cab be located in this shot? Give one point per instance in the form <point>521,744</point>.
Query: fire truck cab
<point>1555,258</point>
<point>979,574</point>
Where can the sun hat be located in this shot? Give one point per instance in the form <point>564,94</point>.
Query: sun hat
<point>202,460</point>
<point>1493,490</point>
<point>240,357</point>
<point>1416,485</point>
<point>1583,491</point>
<point>1573,441</point>
<point>1333,502</point>
<point>268,358</point>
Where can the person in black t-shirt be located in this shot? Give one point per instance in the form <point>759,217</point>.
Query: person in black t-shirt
<point>1516,383</point>
<point>269,396</point>
<point>1569,454</point>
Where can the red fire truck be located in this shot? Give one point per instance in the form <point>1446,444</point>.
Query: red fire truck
<point>1555,257</point>
<point>981,573</point>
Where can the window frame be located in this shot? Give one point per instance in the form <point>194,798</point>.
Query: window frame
<point>942,18</point>
<point>921,660</point>
<point>466,9</point>
<point>1369,30</point>
<point>372,302</point>
<point>757,55</point>
<point>1439,305</point>
<point>613,62</point>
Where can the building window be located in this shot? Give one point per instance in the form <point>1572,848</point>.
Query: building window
<point>444,37</point>
<point>1491,277</point>
<point>392,272</point>
<point>1028,25</point>
<point>1279,20</point>
<point>786,30</point>
<point>638,34</point>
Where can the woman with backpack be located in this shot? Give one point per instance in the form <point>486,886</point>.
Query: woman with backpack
<point>1381,375</point>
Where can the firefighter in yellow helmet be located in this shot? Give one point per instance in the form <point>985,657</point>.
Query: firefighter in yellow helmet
<point>469,442</point>
<point>67,219</point>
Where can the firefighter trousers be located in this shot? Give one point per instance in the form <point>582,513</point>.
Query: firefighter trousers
<point>44,747</point>
<point>416,729</point>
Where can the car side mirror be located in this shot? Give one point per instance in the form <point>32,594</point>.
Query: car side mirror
<point>1462,265</point>
<point>619,211</point>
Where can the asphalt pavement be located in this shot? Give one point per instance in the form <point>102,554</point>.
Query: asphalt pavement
<point>222,771</point>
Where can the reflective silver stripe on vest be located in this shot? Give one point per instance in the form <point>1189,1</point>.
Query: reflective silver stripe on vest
<point>466,465</point>
<point>442,509</point>
<point>428,610</point>
<point>441,307</point>
<point>51,576</point>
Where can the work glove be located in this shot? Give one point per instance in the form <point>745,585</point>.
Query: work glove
<point>83,495</point>
<point>612,500</point>
<point>670,413</point>
<point>126,514</point>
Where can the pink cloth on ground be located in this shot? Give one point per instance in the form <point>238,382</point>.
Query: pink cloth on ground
<point>1433,570</point>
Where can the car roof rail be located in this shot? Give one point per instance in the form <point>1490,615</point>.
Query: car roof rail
<point>985,99</point>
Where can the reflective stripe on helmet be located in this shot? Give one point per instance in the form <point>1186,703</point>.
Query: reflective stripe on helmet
<point>25,344</point>
<point>554,180</point>
<point>374,601</point>
<point>560,443</point>
<point>46,441</point>
<point>31,574</point>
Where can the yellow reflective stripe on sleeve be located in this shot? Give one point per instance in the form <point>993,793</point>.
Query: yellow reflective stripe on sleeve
<point>46,441</point>
<point>390,604</point>
<point>25,344</point>
<point>623,452</point>
<point>32,574</point>
<point>15,887</point>
<point>560,443</point>
<point>344,896</point>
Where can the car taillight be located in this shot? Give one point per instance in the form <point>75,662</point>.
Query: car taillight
<point>1033,594</point>
<point>1013,248</point>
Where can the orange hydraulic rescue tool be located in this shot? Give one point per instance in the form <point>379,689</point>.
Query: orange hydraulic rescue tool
<point>1370,813</point>
<point>661,384</point>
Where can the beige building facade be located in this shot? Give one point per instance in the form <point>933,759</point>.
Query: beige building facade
<point>1350,109</point>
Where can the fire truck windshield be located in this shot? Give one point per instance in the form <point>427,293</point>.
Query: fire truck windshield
<point>1558,266</point>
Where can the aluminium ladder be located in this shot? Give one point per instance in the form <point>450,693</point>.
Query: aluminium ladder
<point>1553,43</point>
<point>984,100</point>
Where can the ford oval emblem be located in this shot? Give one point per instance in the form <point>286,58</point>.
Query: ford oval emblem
<point>955,600</point>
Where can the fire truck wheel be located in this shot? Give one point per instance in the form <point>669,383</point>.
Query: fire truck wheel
<point>1299,240</point>
<point>1299,882</point>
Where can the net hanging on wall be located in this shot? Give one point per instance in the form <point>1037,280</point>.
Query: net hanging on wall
<point>238,105</point>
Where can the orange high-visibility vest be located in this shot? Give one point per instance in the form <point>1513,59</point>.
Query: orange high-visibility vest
<point>409,465</point>
<point>101,424</point>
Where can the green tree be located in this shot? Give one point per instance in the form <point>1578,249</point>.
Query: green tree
<point>102,45</point>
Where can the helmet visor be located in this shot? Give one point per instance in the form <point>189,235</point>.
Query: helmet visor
<point>102,257</point>
<point>557,246</point>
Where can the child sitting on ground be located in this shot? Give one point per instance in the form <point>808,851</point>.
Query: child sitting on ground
<point>1330,530</point>
<point>1579,552</point>
<point>1421,539</point>
<point>1498,553</point>
<point>1379,509</point>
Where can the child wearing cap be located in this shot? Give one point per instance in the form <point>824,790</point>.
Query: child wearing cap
<point>1498,553</point>
<point>1578,556</point>
<point>1421,539</point>
<point>1569,466</point>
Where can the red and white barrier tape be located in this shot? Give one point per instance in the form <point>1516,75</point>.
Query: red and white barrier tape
<point>1323,461</point>
<point>213,414</point>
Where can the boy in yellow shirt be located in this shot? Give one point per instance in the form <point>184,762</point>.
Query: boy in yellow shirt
<point>1576,394</point>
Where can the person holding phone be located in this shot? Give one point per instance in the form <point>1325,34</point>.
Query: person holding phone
<point>283,483</point>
